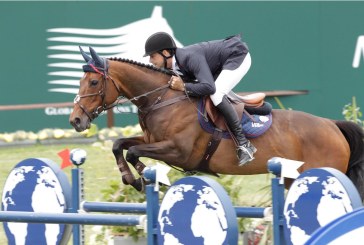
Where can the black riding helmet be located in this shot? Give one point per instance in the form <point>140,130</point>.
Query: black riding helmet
<point>159,41</point>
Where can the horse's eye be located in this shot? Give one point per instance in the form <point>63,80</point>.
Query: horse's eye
<point>94,82</point>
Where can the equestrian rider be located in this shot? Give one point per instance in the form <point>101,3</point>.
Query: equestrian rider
<point>218,66</point>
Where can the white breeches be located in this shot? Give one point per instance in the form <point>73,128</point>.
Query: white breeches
<point>227,80</point>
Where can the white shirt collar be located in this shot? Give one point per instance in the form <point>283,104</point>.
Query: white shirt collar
<point>175,66</point>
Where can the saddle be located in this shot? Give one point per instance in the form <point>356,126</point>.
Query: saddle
<point>250,103</point>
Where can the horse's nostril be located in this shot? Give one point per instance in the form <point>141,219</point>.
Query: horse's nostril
<point>77,121</point>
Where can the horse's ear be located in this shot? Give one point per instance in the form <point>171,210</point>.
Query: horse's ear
<point>84,55</point>
<point>99,62</point>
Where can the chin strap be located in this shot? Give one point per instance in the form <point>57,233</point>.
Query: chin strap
<point>165,58</point>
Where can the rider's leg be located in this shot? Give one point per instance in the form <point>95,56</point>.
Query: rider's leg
<point>224,84</point>
<point>245,149</point>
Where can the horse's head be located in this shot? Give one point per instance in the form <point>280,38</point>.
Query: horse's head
<point>97,91</point>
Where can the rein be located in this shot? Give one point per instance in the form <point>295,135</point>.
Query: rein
<point>103,71</point>
<point>136,98</point>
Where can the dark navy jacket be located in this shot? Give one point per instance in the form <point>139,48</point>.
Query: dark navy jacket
<point>205,61</point>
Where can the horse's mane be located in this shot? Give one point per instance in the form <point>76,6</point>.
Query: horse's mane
<point>150,67</point>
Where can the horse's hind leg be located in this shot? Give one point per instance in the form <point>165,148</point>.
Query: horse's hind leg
<point>126,175</point>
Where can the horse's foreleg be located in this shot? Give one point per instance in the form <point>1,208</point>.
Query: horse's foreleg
<point>127,176</point>
<point>165,151</point>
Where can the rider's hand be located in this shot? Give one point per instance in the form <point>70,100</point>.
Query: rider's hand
<point>176,83</point>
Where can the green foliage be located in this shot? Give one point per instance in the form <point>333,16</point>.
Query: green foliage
<point>241,193</point>
<point>117,192</point>
<point>351,112</point>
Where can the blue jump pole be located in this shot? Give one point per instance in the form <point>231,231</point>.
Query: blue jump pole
<point>275,167</point>
<point>252,212</point>
<point>141,208</point>
<point>70,218</point>
<point>152,206</point>
<point>77,197</point>
<point>114,207</point>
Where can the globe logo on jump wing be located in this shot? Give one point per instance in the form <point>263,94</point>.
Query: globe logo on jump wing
<point>306,206</point>
<point>196,211</point>
<point>65,61</point>
<point>33,186</point>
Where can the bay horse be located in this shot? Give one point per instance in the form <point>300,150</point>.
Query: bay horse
<point>172,133</point>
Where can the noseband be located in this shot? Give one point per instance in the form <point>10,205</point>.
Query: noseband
<point>98,110</point>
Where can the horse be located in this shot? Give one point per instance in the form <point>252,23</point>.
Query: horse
<point>172,133</point>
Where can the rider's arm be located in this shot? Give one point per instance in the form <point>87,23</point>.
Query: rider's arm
<point>199,68</point>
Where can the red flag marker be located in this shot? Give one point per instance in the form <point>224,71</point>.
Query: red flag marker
<point>65,156</point>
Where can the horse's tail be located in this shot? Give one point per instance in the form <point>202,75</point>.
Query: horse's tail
<point>354,134</point>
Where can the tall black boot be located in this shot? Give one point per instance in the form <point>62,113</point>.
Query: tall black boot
<point>245,149</point>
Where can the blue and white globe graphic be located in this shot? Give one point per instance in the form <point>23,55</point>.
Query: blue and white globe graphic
<point>315,198</point>
<point>78,156</point>
<point>33,186</point>
<point>193,212</point>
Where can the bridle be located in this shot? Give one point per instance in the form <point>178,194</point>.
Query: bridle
<point>98,110</point>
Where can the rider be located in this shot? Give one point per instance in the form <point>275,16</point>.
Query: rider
<point>218,66</point>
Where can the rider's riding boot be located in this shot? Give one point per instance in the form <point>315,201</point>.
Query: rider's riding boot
<point>245,149</point>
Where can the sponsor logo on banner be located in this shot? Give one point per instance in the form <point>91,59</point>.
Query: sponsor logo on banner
<point>65,61</point>
<point>359,52</point>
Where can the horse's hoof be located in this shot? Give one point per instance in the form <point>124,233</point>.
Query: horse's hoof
<point>126,181</point>
<point>139,185</point>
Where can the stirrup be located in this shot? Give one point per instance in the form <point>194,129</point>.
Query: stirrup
<point>245,153</point>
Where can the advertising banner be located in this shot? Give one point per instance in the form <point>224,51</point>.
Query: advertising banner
<point>313,46</point>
